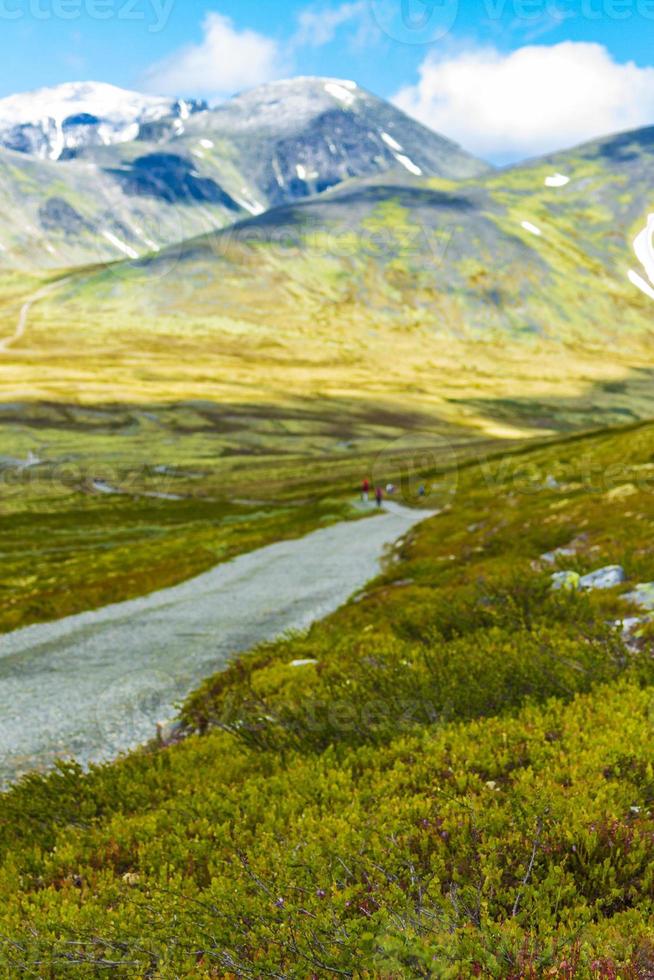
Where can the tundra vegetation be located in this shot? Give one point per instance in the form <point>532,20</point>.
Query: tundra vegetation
<point>456,780</point>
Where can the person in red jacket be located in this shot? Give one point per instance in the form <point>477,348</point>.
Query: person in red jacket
<point>365,491</point>
<point>379,496</point>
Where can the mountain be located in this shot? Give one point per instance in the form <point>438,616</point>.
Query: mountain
<point>546,249</point>
<point>57,214</point>
<point>58,123</point>
<point>150,172</point>
<point>560,247</point>
<point>415,284</point>
<point>299,137</point>
<point>614,175</point>
<point>507,303</point>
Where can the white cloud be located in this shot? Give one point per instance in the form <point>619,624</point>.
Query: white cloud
<point>535,100</point>
<point>319,27</point>
<point>225,61</point>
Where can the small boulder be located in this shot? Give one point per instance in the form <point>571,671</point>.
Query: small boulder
<point>603,578</point>
<point>642,596</point>
<point>631,623</point>
<point>550,557</point>
<point>565,580</point>
<point>632,629</point>
<point>302,663</point>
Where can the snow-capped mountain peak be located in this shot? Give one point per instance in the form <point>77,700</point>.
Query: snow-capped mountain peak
<point>51,122</point>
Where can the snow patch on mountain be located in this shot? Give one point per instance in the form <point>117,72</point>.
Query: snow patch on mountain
<point>342,91</point>
<point>121,246</point>
<point>50,121</point>
<point>644,249</point>
<point>557,180</point>
<point>408,164</point>
<point>394,145</point>
<point>638,281</point>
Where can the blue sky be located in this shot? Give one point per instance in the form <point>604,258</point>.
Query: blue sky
<point>487,48</point>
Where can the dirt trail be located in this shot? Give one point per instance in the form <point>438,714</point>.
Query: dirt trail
<point>94,685</point>
<point>23,317</point>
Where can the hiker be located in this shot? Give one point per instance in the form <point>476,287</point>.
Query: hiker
<point>365,491</point>
<point>379,496</point>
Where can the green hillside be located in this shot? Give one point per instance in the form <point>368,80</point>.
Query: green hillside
<point>55,215</point>
<point>458,783</point>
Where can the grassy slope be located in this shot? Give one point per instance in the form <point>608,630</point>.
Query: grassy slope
<point>95,203</point>
<point>461,786</point>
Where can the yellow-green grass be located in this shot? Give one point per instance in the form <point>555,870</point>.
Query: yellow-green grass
<point>281,368</point>
<point>91,353</point>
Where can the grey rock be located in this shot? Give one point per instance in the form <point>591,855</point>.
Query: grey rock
<point>603,578</point>
<point>568,581</point>
<point>642,595</point>
<point>551,556</point>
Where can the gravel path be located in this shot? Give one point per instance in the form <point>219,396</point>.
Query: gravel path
<point>23,316</point>
<point>94,685</point>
